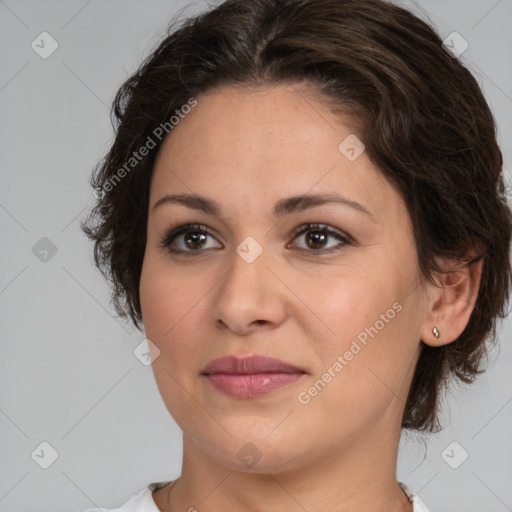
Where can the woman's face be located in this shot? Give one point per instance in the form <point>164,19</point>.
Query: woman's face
<point>343,301</point>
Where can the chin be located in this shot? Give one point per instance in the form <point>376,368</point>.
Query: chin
<point>256,450</point>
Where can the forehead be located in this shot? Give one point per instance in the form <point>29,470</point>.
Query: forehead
<point>252,146</point>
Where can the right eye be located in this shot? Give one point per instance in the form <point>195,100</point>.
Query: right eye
<point>193,241</point>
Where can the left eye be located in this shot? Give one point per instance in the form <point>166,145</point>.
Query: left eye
<point>316,236</point>
<point>195,236</point>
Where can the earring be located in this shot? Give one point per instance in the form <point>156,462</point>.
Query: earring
<point>437,334</point>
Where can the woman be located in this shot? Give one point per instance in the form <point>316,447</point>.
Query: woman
<point>305,210</point>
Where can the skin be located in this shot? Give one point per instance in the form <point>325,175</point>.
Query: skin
<point>247,149</point>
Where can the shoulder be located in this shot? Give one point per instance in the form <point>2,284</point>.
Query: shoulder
<point>418,505</point>
<point>141,501</point>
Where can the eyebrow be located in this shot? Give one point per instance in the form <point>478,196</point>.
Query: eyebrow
<point>281,208</point>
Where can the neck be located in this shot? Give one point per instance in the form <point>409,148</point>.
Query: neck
<point>360,475</point>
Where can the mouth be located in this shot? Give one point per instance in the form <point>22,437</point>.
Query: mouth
<point>250,377</point>
<point>249,365</point>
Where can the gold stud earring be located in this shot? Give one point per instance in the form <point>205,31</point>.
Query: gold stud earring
<point>437,334</point>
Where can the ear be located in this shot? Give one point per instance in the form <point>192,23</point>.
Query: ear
<point>452,302</point>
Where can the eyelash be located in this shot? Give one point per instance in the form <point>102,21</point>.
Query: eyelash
<point>167,239</point>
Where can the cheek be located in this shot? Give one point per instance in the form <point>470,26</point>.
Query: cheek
<point>175,310</point>
<point>371,315</point>
<point>352,301</point>
<point>169,303</point>
<point>166,298</point>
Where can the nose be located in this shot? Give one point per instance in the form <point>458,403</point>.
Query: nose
<point>249,297</point>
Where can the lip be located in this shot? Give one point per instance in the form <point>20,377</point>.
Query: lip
<point>250,377</point>
<point>249,365</point>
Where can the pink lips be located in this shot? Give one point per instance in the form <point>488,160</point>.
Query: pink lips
<point>250,377</point>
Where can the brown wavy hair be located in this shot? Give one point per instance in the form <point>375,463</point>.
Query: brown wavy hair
<point>425,124</point>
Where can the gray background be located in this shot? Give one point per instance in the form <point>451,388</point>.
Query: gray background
<point>68,372</point>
